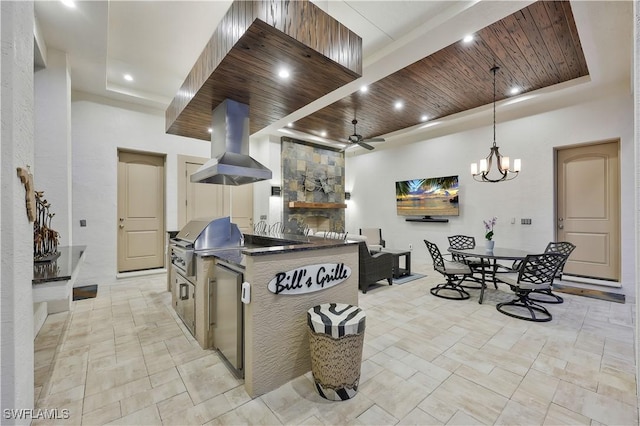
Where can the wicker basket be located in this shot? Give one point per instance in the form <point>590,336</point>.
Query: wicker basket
<point>335,363</point>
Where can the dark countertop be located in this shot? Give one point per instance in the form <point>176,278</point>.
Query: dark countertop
<point>260,245</point>
<point>60,269</point>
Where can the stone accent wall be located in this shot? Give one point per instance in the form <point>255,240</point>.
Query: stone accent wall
<point>311,173</point>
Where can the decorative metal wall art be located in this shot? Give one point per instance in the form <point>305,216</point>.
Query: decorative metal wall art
<point>45,239</point>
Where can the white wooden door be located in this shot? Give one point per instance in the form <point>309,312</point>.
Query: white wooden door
<point>588,202</point>
<point>204,199</point>
<point>140,211</point>
<point>242,207</point>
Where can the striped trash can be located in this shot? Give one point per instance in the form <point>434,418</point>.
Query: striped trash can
<point>336,336</point>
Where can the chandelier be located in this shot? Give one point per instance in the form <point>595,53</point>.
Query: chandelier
<point>503,172</point>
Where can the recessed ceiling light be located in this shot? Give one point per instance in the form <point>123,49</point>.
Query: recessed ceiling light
<point>364,89</point>
<point>210,130</point>
<point>128,77</point>
<point>323,134</point>
<point>398,105</point>
<point>515,91</point>
<point>468,38</point>
<point>69,3</point>
<point>283,73</point>
<point>424,118</point>
<point>289,124</point>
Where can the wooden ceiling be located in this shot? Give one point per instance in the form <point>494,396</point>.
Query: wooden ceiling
<point>242,59</point>
<point>535,47</point>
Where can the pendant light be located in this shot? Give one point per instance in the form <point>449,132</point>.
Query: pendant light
<point>503,171</point>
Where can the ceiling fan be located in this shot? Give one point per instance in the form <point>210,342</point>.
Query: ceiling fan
<point>357,139</point>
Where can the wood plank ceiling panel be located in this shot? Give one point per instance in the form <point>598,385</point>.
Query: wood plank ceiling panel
<point>240,62</point>
<point>535,47</point>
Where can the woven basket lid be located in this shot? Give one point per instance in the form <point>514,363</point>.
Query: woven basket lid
<point>336,319</point>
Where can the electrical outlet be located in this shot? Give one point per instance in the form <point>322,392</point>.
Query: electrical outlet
<point>263,217</point>
<point>83,222</point>
<point>525,221</point>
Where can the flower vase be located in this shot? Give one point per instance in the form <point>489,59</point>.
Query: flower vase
<point>489,245</point>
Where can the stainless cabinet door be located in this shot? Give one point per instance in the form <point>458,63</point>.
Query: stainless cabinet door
<point>228,328</point>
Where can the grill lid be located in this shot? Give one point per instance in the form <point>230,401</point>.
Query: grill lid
<point>207,233</point>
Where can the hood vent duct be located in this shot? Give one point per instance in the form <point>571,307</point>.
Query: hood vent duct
<point>230,162</point>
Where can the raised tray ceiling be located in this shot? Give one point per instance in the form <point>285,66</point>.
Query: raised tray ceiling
<point>243,56</point>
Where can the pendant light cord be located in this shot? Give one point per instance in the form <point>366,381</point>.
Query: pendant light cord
<point>494,69</point>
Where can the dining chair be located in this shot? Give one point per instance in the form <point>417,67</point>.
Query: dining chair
<point>546,295</point>
<point>463,242</point>
<point>454,272</point>
<point>536,272</point>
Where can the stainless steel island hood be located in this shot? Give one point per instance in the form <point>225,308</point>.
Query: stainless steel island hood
<point>230,162</point>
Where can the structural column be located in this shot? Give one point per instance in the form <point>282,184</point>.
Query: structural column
<point>16,232</point>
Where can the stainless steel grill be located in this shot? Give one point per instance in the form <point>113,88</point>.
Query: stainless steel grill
<point>199,235</point>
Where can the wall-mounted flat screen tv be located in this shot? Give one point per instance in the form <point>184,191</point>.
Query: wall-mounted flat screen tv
<point>428,197</point>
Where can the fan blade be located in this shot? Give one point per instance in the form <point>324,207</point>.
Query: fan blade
<point>374,140</point>
<point>365,145</point>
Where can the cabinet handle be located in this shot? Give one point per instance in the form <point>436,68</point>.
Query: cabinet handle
<point>213,314</point>
<point>184,295</point>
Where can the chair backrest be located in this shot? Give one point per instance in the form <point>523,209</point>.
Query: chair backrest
<point>434,251</point>
<point>540,268</point>
<point>374,235</point>
<point>563,247</point>
<point>461,242</point>
<point>260,227</point>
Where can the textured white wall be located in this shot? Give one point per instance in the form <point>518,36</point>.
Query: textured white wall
<point>636,129</point>
<point>16,232</point>
<point>98,130</point>
<point>52,173</point>
<point>371,178</point>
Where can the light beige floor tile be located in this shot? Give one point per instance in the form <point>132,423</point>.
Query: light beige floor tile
<point>237,396</point>
<point>209,382</point>
<point>376,415</point>
<point>120,374</point>
<point>312,421</point>
<point>419,417</point>
<point>460,418</point>
<point>395,395</point>
<point>146,416</point>
<point>173,404</point>
<point>61,399</point>
<point>97,400</point>
<point>558,415</point>
<point>425,361</point>
<point>342,412</point>
<point>395,366</point>
<point>254,412</point>
<point>515,413</point>
<point>462,394</point>
<point>102,415</point>
<point>294,401</point>
<point>69,382</point>
<point>164,376</point>
<point>501,381</point>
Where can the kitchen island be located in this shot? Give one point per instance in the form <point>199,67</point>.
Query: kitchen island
<point>287,276</point>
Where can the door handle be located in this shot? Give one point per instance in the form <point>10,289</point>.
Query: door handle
<point>121,226</point>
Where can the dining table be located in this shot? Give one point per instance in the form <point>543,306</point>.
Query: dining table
<point>490,261</point>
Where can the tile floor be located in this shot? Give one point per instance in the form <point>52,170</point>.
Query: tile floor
<point>125,358</point>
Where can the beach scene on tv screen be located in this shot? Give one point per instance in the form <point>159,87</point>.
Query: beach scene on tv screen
<point>428,197</point>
